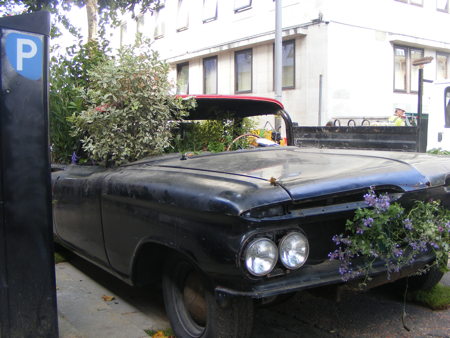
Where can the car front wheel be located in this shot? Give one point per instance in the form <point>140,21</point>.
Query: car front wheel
<point>192,308</point>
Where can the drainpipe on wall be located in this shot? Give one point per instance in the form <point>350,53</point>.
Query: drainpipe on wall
<point>278,55</point>
<point>319,122</point>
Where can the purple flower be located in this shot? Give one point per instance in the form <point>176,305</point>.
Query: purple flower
<point>346,241</point>
<point>434,245</point>
<point>343,270</point>
<point>407,224</point>
<point>383,203</point>
<point>336,239</point>
<point>414,245</point>
<point>397,252</point>
<point>333,255</point>
<point>74,158</point>
<point>359,231</point>
<point>370,198</point>
<point>368,222</point>
<point>440,229</point>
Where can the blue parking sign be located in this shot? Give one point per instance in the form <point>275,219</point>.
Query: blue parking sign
<point>24,53</point>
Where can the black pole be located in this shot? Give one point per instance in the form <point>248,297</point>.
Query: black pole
<point>419,146</point>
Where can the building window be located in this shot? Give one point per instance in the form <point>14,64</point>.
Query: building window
<point>442,64</point>
<point>123,34</point>
<point>406,76</point>
<point>140,23</point>
<point>412,2</point>
<point>288,64</point>
<point>159,22</point>
<point>209,10</point>
<point>242,5</point>
<point>183,78</point>
<point>182,15</point>
<point>243,71</point>
<point>210,75</point>
<point>442,5</point>
<point>447,107</point>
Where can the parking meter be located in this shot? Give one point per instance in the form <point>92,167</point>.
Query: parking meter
<point>27,274</point>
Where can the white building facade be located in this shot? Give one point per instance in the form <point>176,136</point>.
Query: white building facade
<point>341,58</point>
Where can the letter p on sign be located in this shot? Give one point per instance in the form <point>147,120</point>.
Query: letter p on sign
<point>24,53</point>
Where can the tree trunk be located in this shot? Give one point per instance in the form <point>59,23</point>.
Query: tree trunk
<point>92,18</point>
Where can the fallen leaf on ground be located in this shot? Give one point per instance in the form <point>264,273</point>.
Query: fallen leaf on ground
<point>108,298</point>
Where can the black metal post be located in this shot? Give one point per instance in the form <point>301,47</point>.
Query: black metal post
<point>27,273</point>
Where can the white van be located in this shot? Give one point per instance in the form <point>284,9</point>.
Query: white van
<point>437,105</point>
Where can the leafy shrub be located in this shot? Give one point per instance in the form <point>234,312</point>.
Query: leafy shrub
<point>69,78</point>
<point>438,151</point>
<point>386,231</point>
<point>213,135</point>
<point>131,112</point>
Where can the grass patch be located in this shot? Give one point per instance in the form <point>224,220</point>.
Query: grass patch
<point>438,298</point>
<point>167,333</point>
<point>59,258</point>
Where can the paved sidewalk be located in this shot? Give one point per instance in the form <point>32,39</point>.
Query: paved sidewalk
<point>86,310</point>
<point>105,307</point>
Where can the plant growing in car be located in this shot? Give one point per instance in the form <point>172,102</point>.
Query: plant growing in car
<point>388,232</point>
<point>213,135</point>
<point>131,111</point>
<point>69,78</point>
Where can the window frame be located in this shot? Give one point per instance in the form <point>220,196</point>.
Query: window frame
<point>140,24</point>
<point>447,56</point>
<point>409,68</point>
<point>285,42</point>
<point>209,18</point>
<point>443,10</point>
<point>123,33</point>
<point>414,3</point>
<point>179,68</point>
<point>182,15</point>
<point>160,29</point>
<point>217,74</point>
<point>236,82</point>
<point>241,7</point>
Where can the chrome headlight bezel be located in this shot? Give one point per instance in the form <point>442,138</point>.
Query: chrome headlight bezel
<point>284,249</point>
<point>248,254</point>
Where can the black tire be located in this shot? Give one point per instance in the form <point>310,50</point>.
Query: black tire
<point>192,308</point>
<point>425,281</point>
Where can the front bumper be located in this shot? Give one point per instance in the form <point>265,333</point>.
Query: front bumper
<point>313,276</point>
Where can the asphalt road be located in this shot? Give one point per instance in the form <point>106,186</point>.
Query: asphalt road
<point>86,309</point>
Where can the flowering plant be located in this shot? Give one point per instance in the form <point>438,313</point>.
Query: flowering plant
<point>389,232</point>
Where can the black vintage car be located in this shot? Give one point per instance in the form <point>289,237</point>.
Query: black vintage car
<point>220,230</point>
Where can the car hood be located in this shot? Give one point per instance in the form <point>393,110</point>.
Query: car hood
<point>306,173</point>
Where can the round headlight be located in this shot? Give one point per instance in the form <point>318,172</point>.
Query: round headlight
<point>294,250</point>
<point>261,256</point>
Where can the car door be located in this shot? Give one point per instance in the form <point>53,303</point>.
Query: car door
<point>77,209</point>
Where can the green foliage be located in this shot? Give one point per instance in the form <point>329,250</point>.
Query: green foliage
<point>131,112</point>
<point>108,10</point>
<point>438,298</point>
<point>213,135</point>
<point>438,151</point>
<point>69,79</point>
<point>59,258</point>
<point>396,236</point>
